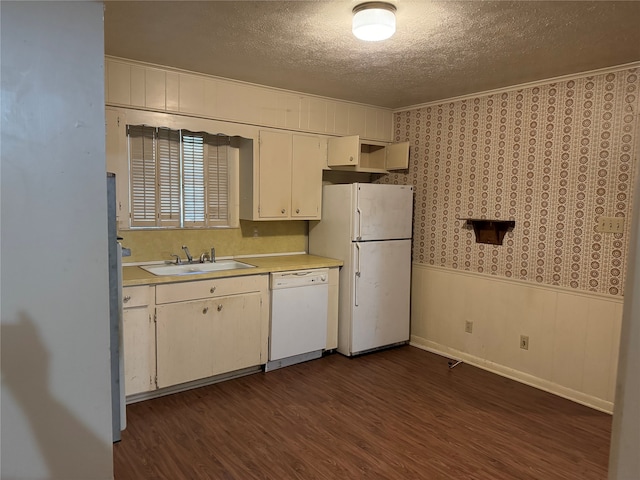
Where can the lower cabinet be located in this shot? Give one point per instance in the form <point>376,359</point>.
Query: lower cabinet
<point>199,339</point>
<point>139,340</point>
<point>181,332</point>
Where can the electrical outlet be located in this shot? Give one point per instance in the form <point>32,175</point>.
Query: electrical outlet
<point>524,342</point>
<point>610,225</point>
<point>468,326</point>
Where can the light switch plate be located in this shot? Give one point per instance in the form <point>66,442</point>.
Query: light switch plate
<point>610,225</point>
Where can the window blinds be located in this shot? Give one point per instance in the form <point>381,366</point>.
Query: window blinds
<point>178,177</point>
<point>168,177</point>
<point>193,177</point>
<point>142,175</point>
<point>218,180</point>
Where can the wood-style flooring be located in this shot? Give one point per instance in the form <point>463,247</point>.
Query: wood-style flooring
<point>395,414</point>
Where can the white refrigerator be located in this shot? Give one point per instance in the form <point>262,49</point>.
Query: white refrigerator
<point>368,227</point>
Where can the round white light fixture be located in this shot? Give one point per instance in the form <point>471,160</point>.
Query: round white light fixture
<point>374,21</point>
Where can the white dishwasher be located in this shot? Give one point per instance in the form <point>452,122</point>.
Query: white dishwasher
<point>299,301</point>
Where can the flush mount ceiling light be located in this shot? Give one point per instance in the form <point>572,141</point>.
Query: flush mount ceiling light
<point>374,21</point>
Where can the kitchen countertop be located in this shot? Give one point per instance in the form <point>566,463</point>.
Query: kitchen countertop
<point>133,275</point>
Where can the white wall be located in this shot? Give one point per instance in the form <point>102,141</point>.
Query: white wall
<point>56,411</point>
<point>573,335</point>
<point>624,460</point>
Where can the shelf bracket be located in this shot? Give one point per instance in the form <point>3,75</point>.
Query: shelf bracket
<point>491,231</point>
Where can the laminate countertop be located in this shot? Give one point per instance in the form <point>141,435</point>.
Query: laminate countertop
<point>133,275</point>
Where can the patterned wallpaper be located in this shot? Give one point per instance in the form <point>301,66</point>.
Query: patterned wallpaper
<point>553,158</point>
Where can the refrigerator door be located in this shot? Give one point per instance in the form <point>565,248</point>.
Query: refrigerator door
<point>381,282</point>
<point>382,212</point>
<point>118,410</point>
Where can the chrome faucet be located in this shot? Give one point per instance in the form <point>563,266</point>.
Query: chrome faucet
<point>187,253</point>
<point>213,255</point>
<point>178,259</point>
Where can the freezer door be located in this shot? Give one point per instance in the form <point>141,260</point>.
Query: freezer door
<point>382,212</point>
<point>381,283</point>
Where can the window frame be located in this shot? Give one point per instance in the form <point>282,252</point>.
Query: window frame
<point>244,143</point>
<point>177,215</point>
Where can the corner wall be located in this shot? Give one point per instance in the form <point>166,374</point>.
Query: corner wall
<point>56,394</point>
<point>554,158</point>
<point>624,461</point>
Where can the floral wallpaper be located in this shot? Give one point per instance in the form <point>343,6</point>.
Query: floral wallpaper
<point>554,158</point>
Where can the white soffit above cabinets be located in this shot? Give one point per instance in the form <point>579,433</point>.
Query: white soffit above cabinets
<point>441,49</point>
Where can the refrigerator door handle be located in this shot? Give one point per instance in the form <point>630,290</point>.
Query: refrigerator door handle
<point>359,212</point>
<point>357,276</point>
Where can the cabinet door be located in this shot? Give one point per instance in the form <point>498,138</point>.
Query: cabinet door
<point>275,175</point>
<point>237,333</point>
<point>139,350</point>
<point>343,151</point>
<point>397,156</point>
<point>184,342</point>
<point>306,177</point>
<point>117,162</point>
<point>119,82</point>
<point>200,339</point>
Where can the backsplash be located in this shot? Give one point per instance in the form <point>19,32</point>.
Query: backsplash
<point>554,158</point>
<point>252,238</point>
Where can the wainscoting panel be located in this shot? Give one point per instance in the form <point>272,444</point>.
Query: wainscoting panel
<point>573,336</point>
<point>139,85</point>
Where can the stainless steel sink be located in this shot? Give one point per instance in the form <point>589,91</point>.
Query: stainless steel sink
<point>195,268</point>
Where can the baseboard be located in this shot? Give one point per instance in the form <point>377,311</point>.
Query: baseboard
<point>545,385</point>
<point>183,387</point>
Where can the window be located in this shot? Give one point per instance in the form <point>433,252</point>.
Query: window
<point>179,178</point>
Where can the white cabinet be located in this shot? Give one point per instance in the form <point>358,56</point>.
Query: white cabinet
<point>353,154</point>
<point>274,175</point>
<point>306,177</point>
<point>139,339</point>
<point>203,338</point>
<point>117,162</point>
<point>284,182</point>
<point>210,327</point>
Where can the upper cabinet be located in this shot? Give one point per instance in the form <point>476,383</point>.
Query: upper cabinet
<point>307,157</point>
<point>274,175</point>
<point>284,181</point>
<point>354,154</point>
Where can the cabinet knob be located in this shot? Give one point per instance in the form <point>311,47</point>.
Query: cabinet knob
<point>126,298</point>
<point>220,307</point>
<point>213,289</point>
<point>351,159</point>
<point>205,310</point>
<point>282,211</point>
<point>297,210</point>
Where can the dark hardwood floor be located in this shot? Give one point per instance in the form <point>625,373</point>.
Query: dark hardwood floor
<point>395,414</point>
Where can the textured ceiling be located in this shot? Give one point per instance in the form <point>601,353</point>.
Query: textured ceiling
<point>441,49</point>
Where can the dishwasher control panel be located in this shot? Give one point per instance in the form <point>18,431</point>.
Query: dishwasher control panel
<point>299,278</point>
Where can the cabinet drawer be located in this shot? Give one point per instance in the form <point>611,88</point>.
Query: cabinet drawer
<point>202,289</point>
<point>135,296</point>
